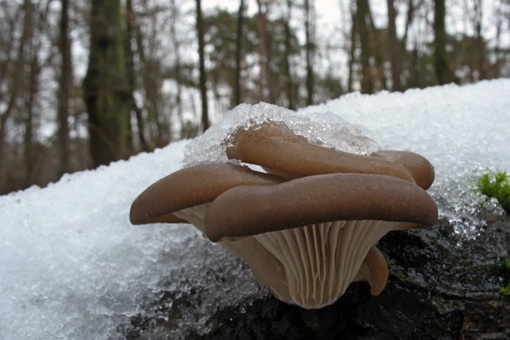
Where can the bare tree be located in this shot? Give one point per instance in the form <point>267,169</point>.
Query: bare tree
<point>442,67</point>
<point>31,89</point>
<point>239,40</point>
<point>105,86</point>
<point>156,124</point>
<point>477,52</point>
<point>176,45</point>
<point>352,52</point>
<point>394,47</point>
<point>64,90</point>
<point>130,42</point>
<point>309,49</point>
<point>203,75</point>
<point>265,50</point>
<point>13,83</point>
<point>362,21</point>
<point>288,74</point>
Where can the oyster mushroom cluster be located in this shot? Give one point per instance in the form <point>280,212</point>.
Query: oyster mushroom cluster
<point>308,226</point>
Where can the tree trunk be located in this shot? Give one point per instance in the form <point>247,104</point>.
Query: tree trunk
<point>155,125</point>
<point>239,39</point>
<point>443,71</point>
<point>14,87</point>
<point>288,74</point>
<point>309,50</point>
<point>377,70</point>
<point>362,23</point>
<point>409,19</point>
<point>105,85</point>
<point>30,73</point>
<point>480,44</point>
<point>352,52</point>
<point>265,50</point>
<point>394,47</point>
<point>131,76</point>
<point>30,114</point>
<point>64,91</point>
<point>203,75</point>
<point>176,47</point>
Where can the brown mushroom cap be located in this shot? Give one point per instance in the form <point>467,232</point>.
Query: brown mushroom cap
<point>418,166</point>
<point>251,210</point>
<point>277,148</point>
<point>191,187</point>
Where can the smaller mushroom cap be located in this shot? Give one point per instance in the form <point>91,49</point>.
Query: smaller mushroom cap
<point>418,166</point>
<point>279,150</point>
<point>191,187</point>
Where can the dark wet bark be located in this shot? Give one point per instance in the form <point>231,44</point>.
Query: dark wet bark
<point>437,289</point>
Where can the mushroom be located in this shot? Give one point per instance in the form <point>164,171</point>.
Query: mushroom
<point>321,228</point>
<point>308,229</point>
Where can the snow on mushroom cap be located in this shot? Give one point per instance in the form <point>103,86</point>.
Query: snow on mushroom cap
<point>325,129</point>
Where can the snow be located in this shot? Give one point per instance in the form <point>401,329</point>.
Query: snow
<point>72,266</point>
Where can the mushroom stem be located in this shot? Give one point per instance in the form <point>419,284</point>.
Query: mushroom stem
<point>378,270</point>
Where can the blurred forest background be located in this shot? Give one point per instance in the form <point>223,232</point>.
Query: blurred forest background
<point>84,83</point>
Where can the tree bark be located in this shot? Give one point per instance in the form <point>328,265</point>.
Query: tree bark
<point>309,50</point>
<point>14,86</point>
<point>64,91</point>
<point>352,52</point>
<point>30,113</point>
<point>239,39</point>
<point>376,50</point>
<point>394,47</point>
<point>131,76</point>
<point>362,22</point>
<point>288,74</point>
<point>265,50</point>
<point>155,124</point>
<point>105,86</point>
<point>176,46</point>
<point>444,73</point>
<point>480,60</point>
<point>203,75</point>
<point>29,75</point>
<point>409,19</point>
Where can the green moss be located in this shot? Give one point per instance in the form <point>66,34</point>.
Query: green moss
<point>506,263</point>
<point>399,274</point>
<point>496,185</point>
<point>505,290</point>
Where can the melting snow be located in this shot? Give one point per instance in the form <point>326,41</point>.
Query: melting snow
<point>72,266</point>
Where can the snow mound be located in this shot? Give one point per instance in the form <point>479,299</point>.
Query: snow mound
<point>72,266</point>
